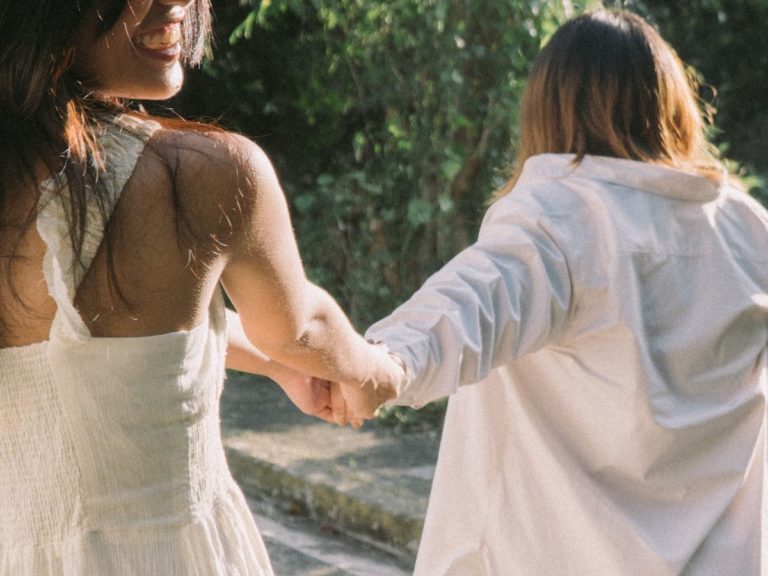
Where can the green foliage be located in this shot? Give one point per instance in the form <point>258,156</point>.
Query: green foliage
<point>429,417</point>
<point>392,121</point>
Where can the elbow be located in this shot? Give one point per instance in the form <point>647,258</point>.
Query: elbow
<point>292,342</point>
<point>297,332</point>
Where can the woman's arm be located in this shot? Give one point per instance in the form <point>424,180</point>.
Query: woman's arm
<point>507,295</point>
<point>292,321</point>
<point>312,396</point>
<point>245,357</point>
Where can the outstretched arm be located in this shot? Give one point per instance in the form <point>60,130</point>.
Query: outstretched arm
<point>292,321</point>
<point>507,295</point>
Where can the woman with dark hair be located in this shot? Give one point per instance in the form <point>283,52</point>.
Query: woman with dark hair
<point>116,230</point>
<point>605,339</point>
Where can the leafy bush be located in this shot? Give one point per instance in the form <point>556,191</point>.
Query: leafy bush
<point>392,121</point>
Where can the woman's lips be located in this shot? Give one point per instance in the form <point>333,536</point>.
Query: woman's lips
<point>164,43</point>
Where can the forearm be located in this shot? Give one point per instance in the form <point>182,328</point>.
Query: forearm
<point>284,315</point>
<point>506,296</point>
<point>371,376</point>
<point>324,344</point>
<point>243,356</point>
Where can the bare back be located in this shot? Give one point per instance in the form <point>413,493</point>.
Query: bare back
<point>200,207</point>
<point>162,241</point>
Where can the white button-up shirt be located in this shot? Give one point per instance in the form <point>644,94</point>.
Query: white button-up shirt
<point>605,341</point>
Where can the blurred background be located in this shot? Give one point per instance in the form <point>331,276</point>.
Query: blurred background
<point>391,122</point>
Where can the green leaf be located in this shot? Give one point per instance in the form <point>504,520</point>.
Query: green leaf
<point>450,168</point>
<point>244,29</point>
<point>325,180</point>
<point>304,203</point>
<point>419,212</point>
<point>445,203</point>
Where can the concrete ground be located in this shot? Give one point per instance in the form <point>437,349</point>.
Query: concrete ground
<point>370,484</point>
<point>298,546</point>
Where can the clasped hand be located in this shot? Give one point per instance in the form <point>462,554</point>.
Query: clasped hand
<point>339,403</point>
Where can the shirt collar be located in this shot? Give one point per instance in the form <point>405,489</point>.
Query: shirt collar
<point>655,178</point>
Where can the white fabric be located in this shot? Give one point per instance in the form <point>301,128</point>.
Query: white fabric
<point>605,341</point>
<point>112,461</point>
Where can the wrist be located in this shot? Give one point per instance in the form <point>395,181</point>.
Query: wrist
<point>282,374</point>
<point>391,377</point>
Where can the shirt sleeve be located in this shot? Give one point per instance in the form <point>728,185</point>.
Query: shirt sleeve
<point>505,296</point>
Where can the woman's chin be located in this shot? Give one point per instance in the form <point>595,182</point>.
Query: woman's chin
<point>143,91</point>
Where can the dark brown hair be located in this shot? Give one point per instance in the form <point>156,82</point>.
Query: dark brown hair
<point>607,84</point>
<point>47,115</point>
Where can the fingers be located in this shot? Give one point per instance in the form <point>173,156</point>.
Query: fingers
<point>325,400</point>
<point>341,407</point>
<point>362,403</point>
<point>321,400</point>
<point>325,414</point>
<point>338,404</point>
<point>323,384</point>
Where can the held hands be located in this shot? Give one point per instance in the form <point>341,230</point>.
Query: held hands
<point>355,402</point>
<point>334,402</point>
<point>345,403</point>
<point>337,403</point>
<point>380,375</point>
<point>311,395</point>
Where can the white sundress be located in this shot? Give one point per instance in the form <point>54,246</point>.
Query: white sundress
<point>111,460</point>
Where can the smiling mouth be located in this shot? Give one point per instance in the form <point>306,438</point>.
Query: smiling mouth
<point>163,40</point>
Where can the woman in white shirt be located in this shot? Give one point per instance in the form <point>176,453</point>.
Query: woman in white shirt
<point>604,340</point>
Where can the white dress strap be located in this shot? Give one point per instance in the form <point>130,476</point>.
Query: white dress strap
<point>122,141</point>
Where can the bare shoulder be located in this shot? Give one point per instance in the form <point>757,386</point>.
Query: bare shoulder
<point>217,175</point>
<point>213,156</point>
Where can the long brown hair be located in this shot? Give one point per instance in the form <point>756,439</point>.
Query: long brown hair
<point>48,117</point>
<point>607,84</point>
